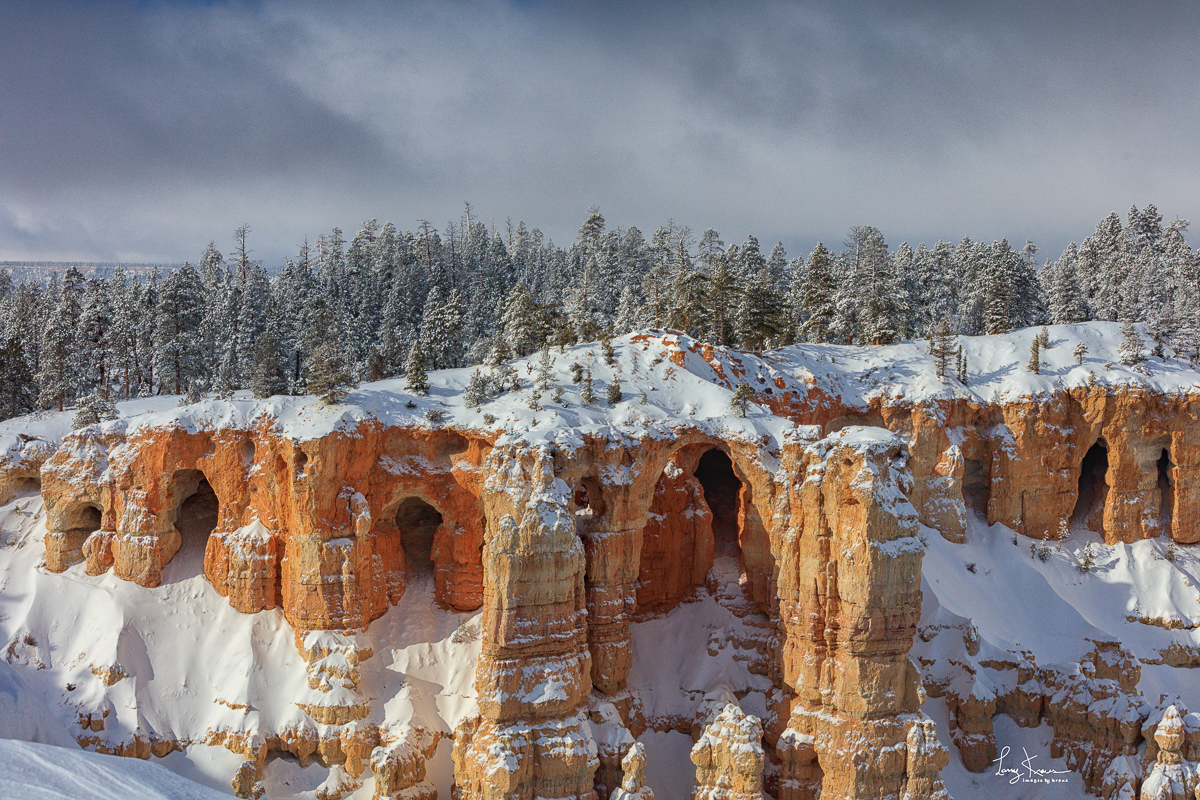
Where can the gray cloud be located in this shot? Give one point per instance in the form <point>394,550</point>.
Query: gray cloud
<point>141,131</point>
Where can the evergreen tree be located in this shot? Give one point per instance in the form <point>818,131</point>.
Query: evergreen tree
<point>178,342</point>
<point>942,348</point>
<point>266,374</point>
<point>1080,351</point>
<point>742,396</point>
<point>1132,351</point>
<point>962,366</point>
<point>16,380</point>
<point>760,313</point>
<point>93,409</point>
<point>59,350</point>
<point>327,373</point>
<point>476,393</point>
<point>817,299</point>
<point>523,323</point>
<point>416,378</point>
<point>1035,356</point>
<point>587,395</point>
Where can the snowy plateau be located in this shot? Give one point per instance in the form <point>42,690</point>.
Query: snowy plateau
<point>877,583</point>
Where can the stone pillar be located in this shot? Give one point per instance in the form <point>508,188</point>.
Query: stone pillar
<point>849,601</point>
<point>532,739</point>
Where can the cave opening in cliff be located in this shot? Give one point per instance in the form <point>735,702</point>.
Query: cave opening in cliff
<point>721,490</point>
<point>86,519</point>
<point>976,489</point>
<point>1166,492</point>
<point>1093,486</point>
<point>418,522</point>
<point>195,521</point>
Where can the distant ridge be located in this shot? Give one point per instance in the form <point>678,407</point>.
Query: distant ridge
<point>40,271</point>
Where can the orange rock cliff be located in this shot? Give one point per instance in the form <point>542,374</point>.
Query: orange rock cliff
<point>563,543</point>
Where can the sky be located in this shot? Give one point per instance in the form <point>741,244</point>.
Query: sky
<point>140,131</point>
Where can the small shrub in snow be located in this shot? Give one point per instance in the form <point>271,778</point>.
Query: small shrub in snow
<point>1064,530</point>
<point>489,419</point>
<point>1108,365</point>
<point>644,399</point>
<point>1043,552</point>
<point>467,632</point>
<point>1088,559</point>
<point>1080,352</point>
<point>410,404</point>
<point>971,567</point>
<point>1092,380</point>
<point>1014,538</point>
<point>558,395</point>
<point>1044,338</point>
<point>614,393</point>
<point>1170,553</point>
<point>436,416</point>
<point>576,372</point>
<point>606,348</point>
<point>535,401</point>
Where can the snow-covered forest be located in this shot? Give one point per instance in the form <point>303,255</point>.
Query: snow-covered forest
<point>389,303</point>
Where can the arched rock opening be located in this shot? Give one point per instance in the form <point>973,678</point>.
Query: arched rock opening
<point>1093,488</point>
<point>418,523</point>
<point>195,519</point>
<point>975,486</point>
<point>721,490</point>
<point>1166,492</point>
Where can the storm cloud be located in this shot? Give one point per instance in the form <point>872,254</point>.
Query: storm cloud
<point>140,131</point>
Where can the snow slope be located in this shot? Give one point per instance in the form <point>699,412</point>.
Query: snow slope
<point>31,771</point>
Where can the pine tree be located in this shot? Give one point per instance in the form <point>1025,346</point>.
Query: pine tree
<point>476,392</point>
<point>93,409</point>
<point>1080,351</point>
<point>1132,351</point>
<point>587,395</point>
<point>327,373</point>
<point>742,396</point>
<point>266,375</point>
<point>760,313</point>
<point>416,379</point>
<point>1035,357</point>
<point>942,348</point>
<point>16,380</point>
<point>523,323</point>
<point>59,350</point>
<point>817,299</point>
<point>962,366</point>
<point>545,375</point>
<point>178,316</point>
<point>1044,338</point>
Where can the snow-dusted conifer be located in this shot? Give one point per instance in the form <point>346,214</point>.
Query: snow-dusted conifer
<point>178,315</point>
<point>266,374</point>
<point>416,378</point>
<point>475,394</point>
<point>1132,351</point>
<point>1080,351</point>
<point>1035,356</point>
<point>328,373</point>
<point>962,366</point>
<point>93,409</point>
<point>16,380</point>
<point>817,297</point>
<point>587,395</point>
<point>942,348</point>
<point>742,396</point>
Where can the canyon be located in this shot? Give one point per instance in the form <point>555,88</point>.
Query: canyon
<point>546,537</point>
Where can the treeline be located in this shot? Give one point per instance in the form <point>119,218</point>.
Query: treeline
<point>342,311</point>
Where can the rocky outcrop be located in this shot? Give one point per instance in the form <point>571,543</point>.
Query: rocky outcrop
<point>729,757</point>
<point>633,785</point>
